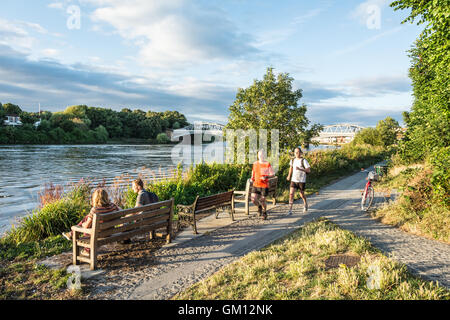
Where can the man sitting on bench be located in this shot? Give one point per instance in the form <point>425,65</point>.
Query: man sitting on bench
<point>144,197</point>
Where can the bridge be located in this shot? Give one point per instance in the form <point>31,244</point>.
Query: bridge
<point>338,133</point>
<point>213,128</point>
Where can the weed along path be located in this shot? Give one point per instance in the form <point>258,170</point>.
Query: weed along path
<point>191,259</point>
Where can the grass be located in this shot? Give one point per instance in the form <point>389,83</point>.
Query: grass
<point>27,280</point>
<point>293,268</point>
<point>416,210</point>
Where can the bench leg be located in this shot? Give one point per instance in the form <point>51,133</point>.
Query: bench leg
<point>75,248</point>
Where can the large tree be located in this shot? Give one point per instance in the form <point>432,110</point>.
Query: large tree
<point>272,103</point>
<point>428,123</point>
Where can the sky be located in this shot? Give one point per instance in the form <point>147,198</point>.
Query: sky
<point>349,57</point>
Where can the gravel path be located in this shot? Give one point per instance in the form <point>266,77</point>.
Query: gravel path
<point>184,264</point>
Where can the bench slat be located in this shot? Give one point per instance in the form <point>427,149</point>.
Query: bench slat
<point>134,217</point>
<point>130,234</point>
<point>133,226</point>
<point>84,259</point>
<point>116,214</point>
<point>218,200</point>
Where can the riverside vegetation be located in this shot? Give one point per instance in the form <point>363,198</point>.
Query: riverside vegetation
<point>38,235</point>
<point>89,125</point>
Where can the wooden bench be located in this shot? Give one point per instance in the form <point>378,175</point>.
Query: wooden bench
<point>121,225</point>
<point>245,196</point>
<point>219,202</point>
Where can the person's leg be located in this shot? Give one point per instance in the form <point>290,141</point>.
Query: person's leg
<point>291,198</point>
<point>255,199</point>
<point>305,203</point>
<point>264,194</point>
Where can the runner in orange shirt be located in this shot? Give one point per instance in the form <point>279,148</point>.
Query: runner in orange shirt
<point>261,172</point>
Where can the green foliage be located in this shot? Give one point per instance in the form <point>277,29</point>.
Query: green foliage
<point>162,138</point>
<point>440,160</point>
<point>11,109</point>
<point>385,134</point>
<point>51,220</point>
<point>387,129</point>
<point>83,124</point>
<point>428,133</point>
<point>369,136</point>
<point>273,104</point>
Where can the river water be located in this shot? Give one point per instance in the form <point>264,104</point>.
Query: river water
<point>24,170</point>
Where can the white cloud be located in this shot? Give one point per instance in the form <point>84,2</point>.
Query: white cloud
<point>55,5</point>
<point>175,32</point>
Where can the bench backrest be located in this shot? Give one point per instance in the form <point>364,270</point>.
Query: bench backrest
<point>214,200</point>
<point>272,185</point>
<point>123,224</point>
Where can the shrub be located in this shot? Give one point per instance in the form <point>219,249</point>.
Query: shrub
<point>162,138</point>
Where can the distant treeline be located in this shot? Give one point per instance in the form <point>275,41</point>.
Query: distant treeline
<point>83,124</point>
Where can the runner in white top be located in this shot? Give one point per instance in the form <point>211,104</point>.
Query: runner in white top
<point>299,168</point>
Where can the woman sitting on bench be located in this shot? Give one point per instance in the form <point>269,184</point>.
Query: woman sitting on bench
<point>100,204</point>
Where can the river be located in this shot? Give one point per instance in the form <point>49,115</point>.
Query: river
<point>24,170</point>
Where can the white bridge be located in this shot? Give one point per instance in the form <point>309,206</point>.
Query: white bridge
<point>214,129</point>
<point>338,133</point>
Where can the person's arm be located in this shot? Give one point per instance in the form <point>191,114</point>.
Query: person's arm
<point>271,172</point>
<point>289,174</point>
<point>291,168</point>
<point>88,223</point>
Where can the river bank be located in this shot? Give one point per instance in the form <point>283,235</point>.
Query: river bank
<point>38,235</point>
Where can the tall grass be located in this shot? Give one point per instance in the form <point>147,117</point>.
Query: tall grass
<point>418,209</point>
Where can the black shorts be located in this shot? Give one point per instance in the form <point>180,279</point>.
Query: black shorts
<point>298,185</point>
<point>261,191</point>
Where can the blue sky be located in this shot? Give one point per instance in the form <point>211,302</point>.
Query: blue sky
<point>349,57</point>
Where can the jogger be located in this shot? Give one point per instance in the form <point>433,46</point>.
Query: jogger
<point>298,170</point>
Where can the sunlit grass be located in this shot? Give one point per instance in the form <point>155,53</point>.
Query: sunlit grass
<point>294,268</point>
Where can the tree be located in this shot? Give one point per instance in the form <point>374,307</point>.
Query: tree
<point>272,104</point>
<point>368,136</point>
<point>101,134</point>
<point>162,138</point>
<point>12,109</point>
<point>428,123</point>
<point>387,130</point>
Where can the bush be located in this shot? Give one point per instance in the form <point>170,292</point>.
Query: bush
<point>162,138</point>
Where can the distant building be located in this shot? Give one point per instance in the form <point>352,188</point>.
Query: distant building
<point>12,120</point>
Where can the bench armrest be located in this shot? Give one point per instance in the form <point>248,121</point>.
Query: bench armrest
<point>80,229</point>
<point>240,192</point>
<point>182,208</point>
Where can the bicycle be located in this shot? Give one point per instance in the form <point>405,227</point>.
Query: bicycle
<point>369,192</point>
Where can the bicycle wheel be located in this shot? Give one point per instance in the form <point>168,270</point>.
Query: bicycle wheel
<point>367,198</point>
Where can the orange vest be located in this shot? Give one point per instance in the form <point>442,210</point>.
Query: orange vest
<point>261,170</point>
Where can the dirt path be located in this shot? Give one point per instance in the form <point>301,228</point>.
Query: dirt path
<point>175,268</point>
